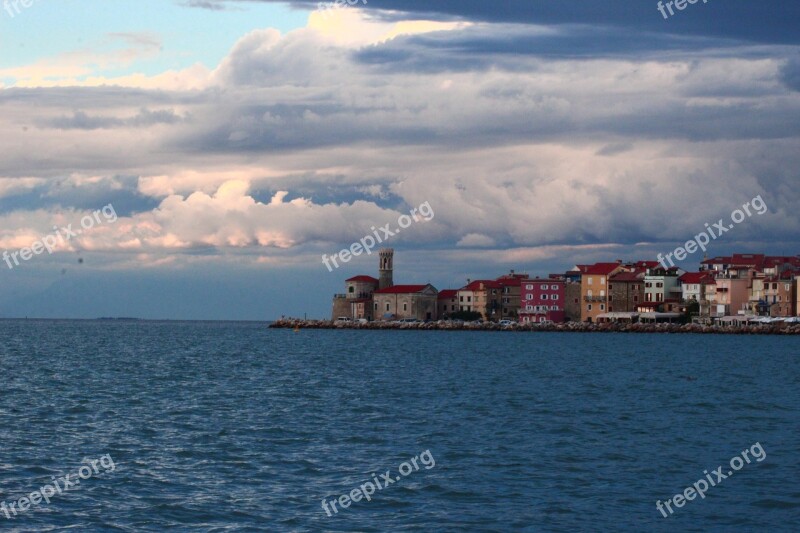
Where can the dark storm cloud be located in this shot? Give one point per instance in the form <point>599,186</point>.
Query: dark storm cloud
<point>765,21</point>
<point>505,46</point>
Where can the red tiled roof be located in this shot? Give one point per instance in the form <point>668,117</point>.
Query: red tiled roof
<point>401,289</point>
<point>509,282</point>
<point>363,278</point>
<point>636,275</point>
<point>696,277</point>
<point>447,294</point>
<point>476,285</point>
<point>737,260</point>
<point>601,268</point>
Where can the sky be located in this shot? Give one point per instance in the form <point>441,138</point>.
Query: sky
<point>195,159</point>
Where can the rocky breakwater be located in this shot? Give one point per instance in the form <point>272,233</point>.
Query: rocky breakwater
<point>573,327</point>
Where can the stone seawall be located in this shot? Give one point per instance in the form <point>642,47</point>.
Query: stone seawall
<point>574,327</point>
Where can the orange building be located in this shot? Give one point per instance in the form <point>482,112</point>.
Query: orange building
<point>594,288</point>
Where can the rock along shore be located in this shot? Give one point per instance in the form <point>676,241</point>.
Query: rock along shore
<point>572,327</point>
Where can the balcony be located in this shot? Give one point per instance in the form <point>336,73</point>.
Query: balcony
<point>594,298</point>
<point>354,296</point>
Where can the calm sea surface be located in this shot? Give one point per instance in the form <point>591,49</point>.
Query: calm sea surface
<point>235,427</point>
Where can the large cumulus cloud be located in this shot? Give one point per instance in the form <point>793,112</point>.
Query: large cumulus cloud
<point>518,132</point>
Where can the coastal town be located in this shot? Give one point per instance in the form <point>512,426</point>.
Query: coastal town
<point>735,290</point>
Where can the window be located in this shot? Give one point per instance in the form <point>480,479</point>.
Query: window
<point>405,307</point>
<point>529,296</point>
<point>576,300</point>
<point>387,306</point>
<point>469,299</point>
<point>602,280</point>
<point>659,285</point>
<point>461,298</point>
<point>529,287</point>
<point>589,307</point>
<point>544,297</point>
<point>602,307</point>
<point>602,294</point>
<point>351,289</point>
<point>610,286</point>
<point>376,306</point>
<point>635,298</point>
<point>610,298</point>
<point>589,293</point>
<point>554,287</point>
<point>554,297</point>
<point>543,287</point>
<point>591,280</point>
<point>648,285</point>
<point>529,307</point>
<point>554,308</point>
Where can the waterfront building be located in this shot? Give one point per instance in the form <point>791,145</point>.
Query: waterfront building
<point>732,295</point>
<point>594,288</point>
<point>780,294</point>
<point>447,303</point>
<point>481,296</point>
<point>510,294</point>
<point>691,285</point>
<point>356,302</point>
<point>626,291</point>
<point>405,301</point>
<point>572,297</point>
<point>542,300</point>
<point>661,285</point>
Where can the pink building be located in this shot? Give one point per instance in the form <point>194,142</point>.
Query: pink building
<point>542,300</point>
<point>732,297</point>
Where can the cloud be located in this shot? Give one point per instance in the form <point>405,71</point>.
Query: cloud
<point>522,135</point>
